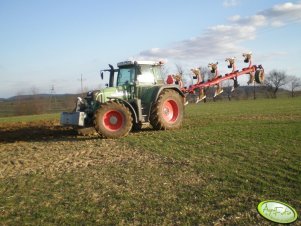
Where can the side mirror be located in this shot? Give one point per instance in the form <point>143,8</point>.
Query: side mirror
<point>107,85</point>
<point>101,75</point>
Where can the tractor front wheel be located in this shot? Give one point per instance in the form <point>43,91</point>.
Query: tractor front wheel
<point>113,120</point>
<point>167,113</point>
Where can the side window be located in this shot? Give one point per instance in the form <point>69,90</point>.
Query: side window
<point>145,75</point>
<point>158,74</point>
<point>125,76</point>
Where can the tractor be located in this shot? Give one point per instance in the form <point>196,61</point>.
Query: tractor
<point>135,95</point>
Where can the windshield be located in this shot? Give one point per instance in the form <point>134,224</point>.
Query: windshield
<point>125,76</point>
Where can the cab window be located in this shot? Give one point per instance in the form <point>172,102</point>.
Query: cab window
<point>125,76</point>
<point>145,74</point>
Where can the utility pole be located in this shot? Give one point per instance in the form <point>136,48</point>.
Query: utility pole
<point>81,83</point>
<point>52,97</point>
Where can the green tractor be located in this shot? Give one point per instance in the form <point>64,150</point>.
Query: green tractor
<point>139,97</point>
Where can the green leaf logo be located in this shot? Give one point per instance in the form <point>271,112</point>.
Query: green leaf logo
<point>278,212</point>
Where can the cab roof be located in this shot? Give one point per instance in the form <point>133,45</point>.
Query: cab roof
<point>140,62</point>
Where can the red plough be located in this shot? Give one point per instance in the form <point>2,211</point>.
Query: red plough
<point>259,69</point>
<point>255,72</point>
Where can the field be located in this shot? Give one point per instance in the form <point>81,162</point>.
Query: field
<point>227,158</point>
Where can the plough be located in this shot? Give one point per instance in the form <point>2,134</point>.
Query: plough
<point>256,74</point>
<point>257,69</point>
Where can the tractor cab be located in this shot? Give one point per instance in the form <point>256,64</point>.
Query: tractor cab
<point>132,80</point>
<point>139,73</point>
<point>135,73</point>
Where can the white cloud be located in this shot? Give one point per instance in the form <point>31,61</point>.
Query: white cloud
<point>276,16</point>
<point>283,13</point>
<point>256,20</point>
<point>286,7</point>
<point>226,40</point>
<point>277,23</point>
<point>216,40</point>
<point>235,18</point>
<point>230,3</point>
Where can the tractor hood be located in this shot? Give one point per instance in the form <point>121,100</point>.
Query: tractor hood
<point>111,92</point>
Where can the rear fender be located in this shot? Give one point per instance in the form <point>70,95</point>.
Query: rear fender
<point>173,87</point>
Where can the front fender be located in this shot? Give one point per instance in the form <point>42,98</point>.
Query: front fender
<point>128,105</point>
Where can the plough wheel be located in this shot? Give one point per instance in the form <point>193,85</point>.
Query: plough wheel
<point>259,76</point>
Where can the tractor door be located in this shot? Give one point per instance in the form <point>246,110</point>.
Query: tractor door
<point>125,81</point>
<point>146,88</point>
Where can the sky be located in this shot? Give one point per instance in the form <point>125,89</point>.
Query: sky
<point>47,45</point>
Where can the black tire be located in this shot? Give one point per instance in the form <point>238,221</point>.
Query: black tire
<point>259,76</point>
<point>168,112</point>
<point>113,120</point>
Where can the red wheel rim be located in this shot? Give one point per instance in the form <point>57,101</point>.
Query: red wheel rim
<point>113,120</point>
<point>170,111</point>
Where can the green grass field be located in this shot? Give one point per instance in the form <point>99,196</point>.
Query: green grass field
<point>29,118</point>
<point>227,158</point>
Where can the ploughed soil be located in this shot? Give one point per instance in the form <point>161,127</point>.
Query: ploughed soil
<point>49,173</point>
<point>31,147</point>
<point>34,131</point>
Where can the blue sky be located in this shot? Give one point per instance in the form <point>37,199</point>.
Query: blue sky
<point>52,42</point>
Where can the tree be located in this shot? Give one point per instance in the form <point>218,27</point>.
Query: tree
<point>294,83</point>
<point>228,90</point>
<point>31,103</point>
<point>275,80</point>
<point>206,73</point>
<point>164,71</point>
<point>180,69</point>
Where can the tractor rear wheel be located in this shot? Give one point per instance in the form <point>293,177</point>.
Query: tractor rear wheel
<point>167,113</point>
<point>113,120</point>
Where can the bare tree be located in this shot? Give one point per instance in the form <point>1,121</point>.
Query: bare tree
<point>187,79</point>
<point>164,71</point>
<point>180,69</point>
<point>37,105</point>
<point>31,103</point>
<point>275,80</point>
<point>294,83</point>
<point>228,90</point>
<point>206,73</point>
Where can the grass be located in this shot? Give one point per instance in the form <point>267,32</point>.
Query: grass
<point>227,158</point>
<point>29,118</point>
